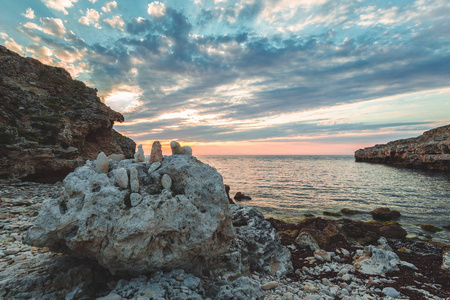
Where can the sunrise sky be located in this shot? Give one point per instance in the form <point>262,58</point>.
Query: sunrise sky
<point>250,77</point>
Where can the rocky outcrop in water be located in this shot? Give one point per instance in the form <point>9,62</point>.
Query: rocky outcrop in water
<point>50,123</point>
<point>428,151</point>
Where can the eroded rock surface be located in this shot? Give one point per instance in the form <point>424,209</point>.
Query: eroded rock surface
<point>428,151</point>
<point>50,123</point>
<point>184,227</point>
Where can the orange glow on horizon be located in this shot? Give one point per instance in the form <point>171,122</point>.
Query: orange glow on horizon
<point>261,148</point>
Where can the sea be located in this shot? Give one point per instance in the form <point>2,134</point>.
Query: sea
<point>287,187</point>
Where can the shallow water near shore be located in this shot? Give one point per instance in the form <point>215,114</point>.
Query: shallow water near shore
<point>287,187</point>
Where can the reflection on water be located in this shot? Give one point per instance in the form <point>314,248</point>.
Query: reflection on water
<point>287,187</point>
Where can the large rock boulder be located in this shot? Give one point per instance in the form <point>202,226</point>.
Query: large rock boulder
<point>428,151</point>
<point>49,123</point>
<point>256,247</point>
<point>182,227</point>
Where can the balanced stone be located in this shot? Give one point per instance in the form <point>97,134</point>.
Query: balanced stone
<point>166,181</point>
<point>176,148</point>
<point>134,180</point>
<point>139,155</point>
<point>122,178</point>
<point>187,150</point>
<point>156,154</point>
<point>101,163</point>
<point>153,167</point>
<point>116,157</point>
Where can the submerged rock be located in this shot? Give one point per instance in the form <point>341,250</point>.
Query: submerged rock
<point>185,228</point>
<point>385,213</point>
<point>240,196</point>
<point>428,151</point>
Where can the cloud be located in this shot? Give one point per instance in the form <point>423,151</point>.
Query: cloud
<point>91,17</point>
<point>44,54</point>
<point>12,45</point>
<point>156,9</point>
<point>29,14</point>
<point>3,35</point>
<point>50,26</point>
<point>59,5</point>
<point>109,6</point>
<point>115,22</point>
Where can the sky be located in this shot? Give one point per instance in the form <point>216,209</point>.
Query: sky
<point>250,77</point>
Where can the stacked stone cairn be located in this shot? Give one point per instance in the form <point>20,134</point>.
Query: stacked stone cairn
<point>159,213</point>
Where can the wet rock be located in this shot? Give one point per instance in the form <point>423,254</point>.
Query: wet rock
<point>430,228</point>
<point>156,154</point>
<point>393,231</point>
<point>240,196</point>
<point>350,212</point>
<point>227,190</point>
<point>91,219</point>
<point>385,213</point>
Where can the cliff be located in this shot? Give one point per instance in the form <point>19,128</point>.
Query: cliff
<point>428,151</point>
<point>50,123</point>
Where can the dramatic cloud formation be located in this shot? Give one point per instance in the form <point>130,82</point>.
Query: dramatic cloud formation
<point>59,5</point>
<point>292,73</point>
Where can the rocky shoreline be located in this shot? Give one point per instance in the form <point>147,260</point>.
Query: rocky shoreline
<point>428,151</point>
<point>410,269</point>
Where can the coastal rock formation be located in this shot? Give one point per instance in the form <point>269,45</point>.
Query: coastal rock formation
<point>156,153</point>
<point>256,247</point>
<point>385,213</point>
<point>177,149</point>
<point>149,230</point>
<point>428,151</point>
<point>50,123</point>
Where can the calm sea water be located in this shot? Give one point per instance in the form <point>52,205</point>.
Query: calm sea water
<point>287,187</point>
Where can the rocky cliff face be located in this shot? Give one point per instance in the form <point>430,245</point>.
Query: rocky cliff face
<point>428,151</point>
<point>50,123</point>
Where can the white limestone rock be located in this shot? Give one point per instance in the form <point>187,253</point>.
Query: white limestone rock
<point>101,163</point>
<point>116,157</point>
<point>177,149</point>
<point>122,178</point>
<point>446,261</point>
<point>187,150</point>
<point>139,155</point>
<point>306,240</point>
<point>187,228</point>
<point>135,199</point>
<point>153,167</point>
<point>256,248</point>
<point>134,180</point>
<point>166,181</point>
<point>377,261</point>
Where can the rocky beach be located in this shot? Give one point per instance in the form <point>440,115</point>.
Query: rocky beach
<point>85,216</point>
